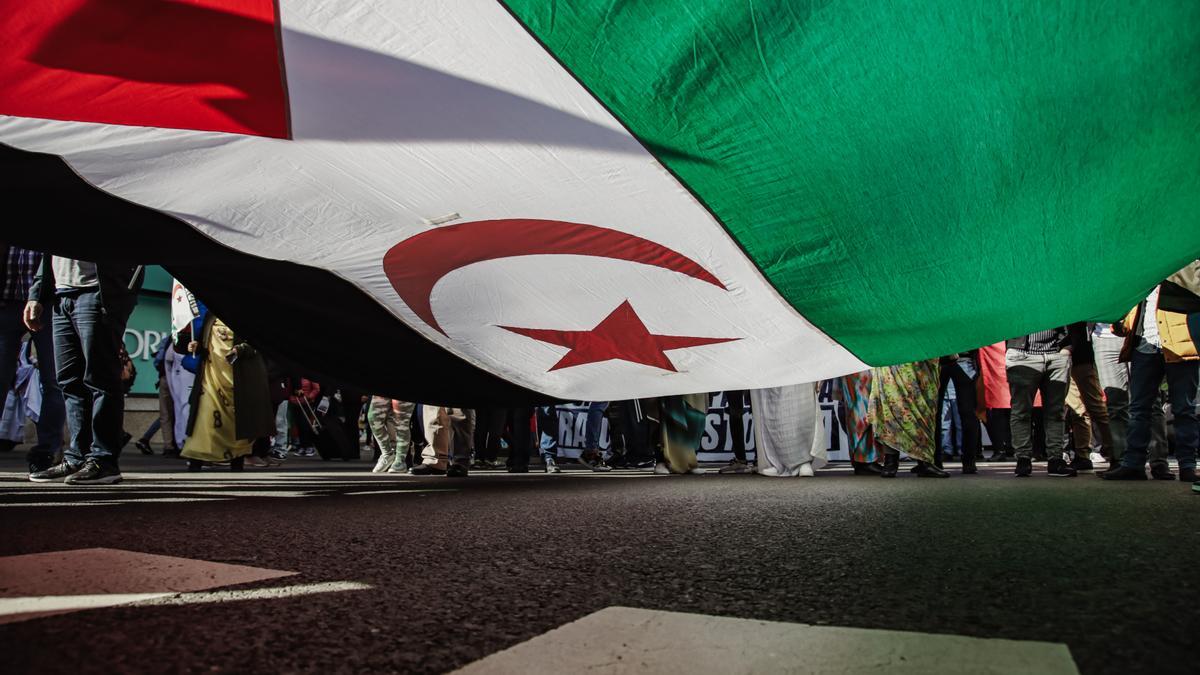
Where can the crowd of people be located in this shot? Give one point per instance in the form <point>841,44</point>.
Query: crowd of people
<point>1056,394</point>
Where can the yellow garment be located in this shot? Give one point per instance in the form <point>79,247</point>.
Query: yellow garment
<point>1173,331</point>
<point>214,438</point>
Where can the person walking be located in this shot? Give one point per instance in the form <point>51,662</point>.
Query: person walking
<point>904,416</point>
<point>231,400</point>
<point>90,304</point>
<point>1039,363</point>
<point>1159,346</point>
<point>390,423</point>
<point>20,265</point>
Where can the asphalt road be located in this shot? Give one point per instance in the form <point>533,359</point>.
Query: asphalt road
<point>492,560</point>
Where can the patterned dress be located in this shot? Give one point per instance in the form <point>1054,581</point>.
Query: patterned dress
<point>682,428</point>
<point>856,399</point>
<point>903,410</point>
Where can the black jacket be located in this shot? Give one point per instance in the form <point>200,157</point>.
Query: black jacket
<point>118,287</point>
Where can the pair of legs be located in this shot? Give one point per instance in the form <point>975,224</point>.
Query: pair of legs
<point>1028,375</point>
<point>1114,379</point>
<point>53,409</point>
<point>489,429</point>
<point>448,434</point>
<point>635,433</point>
<point>1085,402</point>
<point>962,373</point>
<point>390,423</point>
<point>87,338</point>
<point>1147,372</point>
<point>165,422</point>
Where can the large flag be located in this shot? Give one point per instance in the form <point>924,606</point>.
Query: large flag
<point>482,199</point>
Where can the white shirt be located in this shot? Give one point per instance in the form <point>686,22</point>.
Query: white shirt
<point>1151,340</point>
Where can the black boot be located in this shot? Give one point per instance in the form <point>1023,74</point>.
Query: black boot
<point>866,468</point>
<point>891,464</point>
<point>237,464</point>
<point>194,465</point>
<point>927,470</point>
<point>968,463</point>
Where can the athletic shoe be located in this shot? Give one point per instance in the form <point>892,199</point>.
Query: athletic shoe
<point>736,466</point>
<point>1024,467</point>
<point>552,466</point>
<point>1196,487</point>
<point>697,471</point>
<point>806,470</point>
<point>55,473</point>
<point>589,458</point>
<point>142,445</point>
<point>1161,472</point>
<point>1057,468</point>
<point>1187,475</point>
<point>661,469</point>
<point>386,460</point>
<point>125,438</point>
<point>398,468</point>
<point>456,471</point>
<point>171,452</point>
<point>601,466</point>
<point>1081,463</point>
<point>260,462</point>
<point>1124,473</point>
<point>95,473</point>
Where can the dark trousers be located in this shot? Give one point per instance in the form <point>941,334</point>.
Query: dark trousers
<point>87,340</point>
<point>999,430</point>
<point>635,431</point>
<point>735,404</point>
<point>489,428</point>
<point>1146,375</point>
<point>964,389</point>
<point>522,437</point>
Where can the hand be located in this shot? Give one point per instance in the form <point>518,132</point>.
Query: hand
<point>193,346</point>
<point>33,315</point>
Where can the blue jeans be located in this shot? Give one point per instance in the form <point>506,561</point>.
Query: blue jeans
<point>53,412</point>
<point>1146,374</point>
<point>86,343</point>
<point>595,418</point>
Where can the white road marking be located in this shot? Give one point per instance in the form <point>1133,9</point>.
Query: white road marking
<point>270,593</point>
<point>43,605</point>
<point>625,640</point>
<point>397,492</point>
<point>116,502</point>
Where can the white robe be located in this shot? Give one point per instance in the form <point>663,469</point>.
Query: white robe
<point>179,382</point>
<point>787,428</point>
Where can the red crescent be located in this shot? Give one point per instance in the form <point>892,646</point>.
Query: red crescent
<point>415,265</point>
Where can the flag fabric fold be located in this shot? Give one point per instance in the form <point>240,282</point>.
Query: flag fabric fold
<point>492,201</point>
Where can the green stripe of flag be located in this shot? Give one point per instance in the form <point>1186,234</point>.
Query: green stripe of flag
<point>917,177</point>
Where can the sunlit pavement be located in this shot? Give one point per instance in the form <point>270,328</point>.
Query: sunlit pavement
<point>322,566</point>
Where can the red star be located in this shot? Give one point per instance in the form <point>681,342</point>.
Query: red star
<point>621,335</point>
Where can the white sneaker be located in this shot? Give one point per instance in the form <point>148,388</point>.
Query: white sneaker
<point>697,471</point>
<point>385,462</point>
<point>804,470</point>
<point>552,466</point>
<point>661,469</point>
